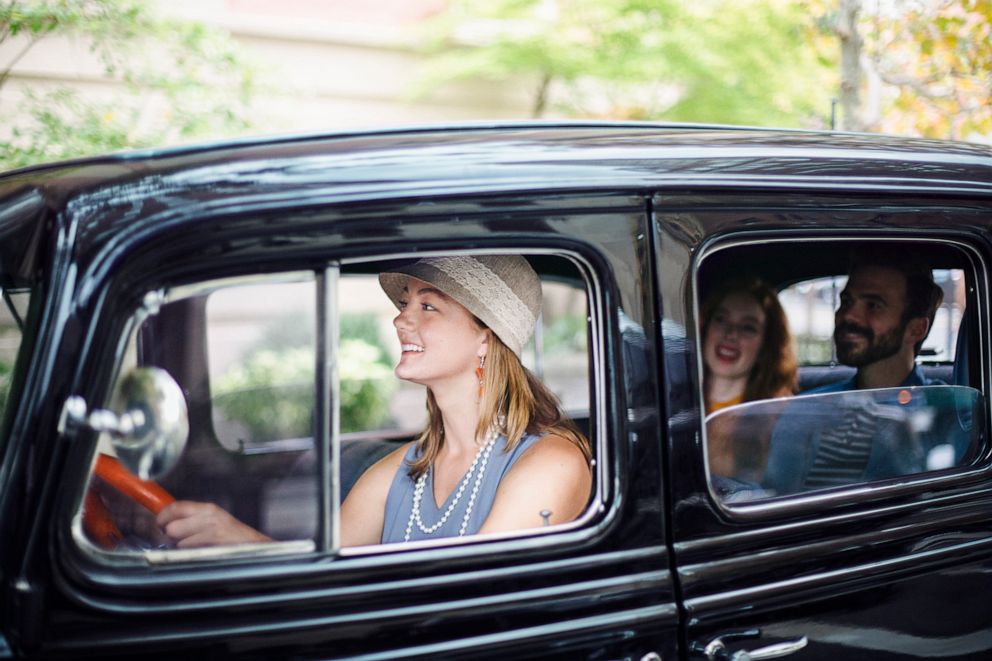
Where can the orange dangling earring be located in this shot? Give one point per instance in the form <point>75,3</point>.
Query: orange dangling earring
<point>479,372</point>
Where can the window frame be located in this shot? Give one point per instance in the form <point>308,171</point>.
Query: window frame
<point>976,268</point>
<point>327,435</point>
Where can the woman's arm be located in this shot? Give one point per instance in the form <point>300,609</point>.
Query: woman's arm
<point>551,476</point>
<point>363,512</point>
<point>192,524</point>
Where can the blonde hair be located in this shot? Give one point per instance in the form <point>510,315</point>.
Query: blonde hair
<point>514,401</point>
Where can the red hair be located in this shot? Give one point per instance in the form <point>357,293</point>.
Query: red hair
<point>775,371</point>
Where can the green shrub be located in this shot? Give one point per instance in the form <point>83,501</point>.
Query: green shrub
<point>270,391</point>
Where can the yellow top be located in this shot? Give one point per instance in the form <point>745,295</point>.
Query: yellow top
<point>716,406</point>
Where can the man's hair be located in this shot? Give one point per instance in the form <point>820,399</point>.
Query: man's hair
<point>923,295</point>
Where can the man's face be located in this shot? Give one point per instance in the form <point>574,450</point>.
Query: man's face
<point>869,325</point>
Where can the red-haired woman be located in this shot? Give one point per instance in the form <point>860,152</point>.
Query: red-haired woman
<point>747,355</point>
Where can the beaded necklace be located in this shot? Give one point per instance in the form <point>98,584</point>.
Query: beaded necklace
<point>480,462</point>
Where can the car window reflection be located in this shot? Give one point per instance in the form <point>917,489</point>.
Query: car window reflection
<point>811,442</point>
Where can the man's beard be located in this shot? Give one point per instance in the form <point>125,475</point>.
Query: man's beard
<point>876,348</point>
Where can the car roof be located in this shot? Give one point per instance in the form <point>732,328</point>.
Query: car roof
<point>531,155</point>
<point>531,158</point>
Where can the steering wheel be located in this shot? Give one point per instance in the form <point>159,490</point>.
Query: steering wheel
<point>98,522</point>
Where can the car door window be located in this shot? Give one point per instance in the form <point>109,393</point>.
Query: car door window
<point>831,421</point>
<point>249,352</point>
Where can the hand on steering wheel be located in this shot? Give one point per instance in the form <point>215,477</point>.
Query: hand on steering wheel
<point>98,521</point>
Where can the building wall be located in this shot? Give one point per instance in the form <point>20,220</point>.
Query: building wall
<point>323,65</point>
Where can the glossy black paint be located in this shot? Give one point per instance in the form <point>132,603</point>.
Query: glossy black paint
<point>662,568</point>
<point>876,573</point>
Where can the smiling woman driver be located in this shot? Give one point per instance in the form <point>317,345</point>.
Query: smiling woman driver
<point>497,453</point>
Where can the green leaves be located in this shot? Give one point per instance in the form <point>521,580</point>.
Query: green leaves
<point>181,81</point>
<point>735,62</point>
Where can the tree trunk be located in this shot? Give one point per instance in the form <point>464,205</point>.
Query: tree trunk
<point>541,98</point>
<point>850,65</point>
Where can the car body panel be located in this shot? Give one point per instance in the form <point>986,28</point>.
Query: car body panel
<point>661,566</point>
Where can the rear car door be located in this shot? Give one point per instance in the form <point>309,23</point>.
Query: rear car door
<point>895,566</point>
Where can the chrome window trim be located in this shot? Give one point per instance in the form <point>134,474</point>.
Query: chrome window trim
<point>859,492</point>
<point>327,402</point>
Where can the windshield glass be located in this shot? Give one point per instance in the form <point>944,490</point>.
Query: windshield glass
<point>798,444</point>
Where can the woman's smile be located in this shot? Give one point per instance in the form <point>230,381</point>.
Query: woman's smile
<point>727,353</point>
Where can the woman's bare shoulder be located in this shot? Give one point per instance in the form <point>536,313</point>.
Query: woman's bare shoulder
<point>388,465</point>
<point>553,449</point>
<point>363,510</point>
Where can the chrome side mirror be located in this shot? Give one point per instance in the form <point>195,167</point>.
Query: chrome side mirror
<point>149,423</point>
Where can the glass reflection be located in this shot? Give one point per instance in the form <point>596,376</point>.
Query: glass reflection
<point>794,445</point>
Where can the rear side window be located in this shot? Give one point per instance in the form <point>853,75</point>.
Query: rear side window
<point>830,364</point>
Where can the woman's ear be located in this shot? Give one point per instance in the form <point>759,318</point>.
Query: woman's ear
<point>484,347</point>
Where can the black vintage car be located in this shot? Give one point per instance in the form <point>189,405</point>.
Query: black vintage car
<point>210,316</point>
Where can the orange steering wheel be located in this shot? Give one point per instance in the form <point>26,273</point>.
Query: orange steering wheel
<point>98,522</point>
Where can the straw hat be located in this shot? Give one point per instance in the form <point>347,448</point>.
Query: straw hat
<point>503,291</point>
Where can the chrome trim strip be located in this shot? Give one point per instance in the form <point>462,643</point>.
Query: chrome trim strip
<point>323,575</point>
<point>210,286</point>
<point>327,407</point>
<point>810,583</point>
<point>655,616</point>
<point>172,556</point>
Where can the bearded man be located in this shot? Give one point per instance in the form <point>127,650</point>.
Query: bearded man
<point>886,311</point>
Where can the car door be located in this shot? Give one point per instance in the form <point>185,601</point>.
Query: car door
<point>600,587</point>
<point>895,566</point>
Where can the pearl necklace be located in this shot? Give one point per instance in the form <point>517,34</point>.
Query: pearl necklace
<point>480,461</point>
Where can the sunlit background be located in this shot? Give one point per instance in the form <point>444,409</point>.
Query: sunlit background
<point>81,77</point>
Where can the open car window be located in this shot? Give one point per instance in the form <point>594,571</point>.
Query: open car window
<point>249,355</point>
<point>802,422</point>
<point>810,306</point>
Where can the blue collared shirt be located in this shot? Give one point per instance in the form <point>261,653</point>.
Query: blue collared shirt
<point>914,378</point>
<point>820,442</point>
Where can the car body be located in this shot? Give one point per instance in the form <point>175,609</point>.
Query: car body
<point>634,220</point>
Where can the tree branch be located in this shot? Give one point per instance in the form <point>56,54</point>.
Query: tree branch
<point>920,86</point>
<point>5,74</point>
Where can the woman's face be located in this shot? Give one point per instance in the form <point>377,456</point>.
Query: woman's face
<point>440,341</point>
<point>734,336</point>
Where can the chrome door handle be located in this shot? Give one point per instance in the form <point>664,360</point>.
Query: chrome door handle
<point>716,649</point>
<point>771,651</point>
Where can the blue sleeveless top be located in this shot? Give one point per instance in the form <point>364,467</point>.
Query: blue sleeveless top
<point>399,502</point>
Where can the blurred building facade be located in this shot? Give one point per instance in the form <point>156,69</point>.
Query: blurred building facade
<point>323,65</point>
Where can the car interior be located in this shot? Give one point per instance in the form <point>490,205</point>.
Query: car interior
<point>781,265</point>
<point>933,429</point>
